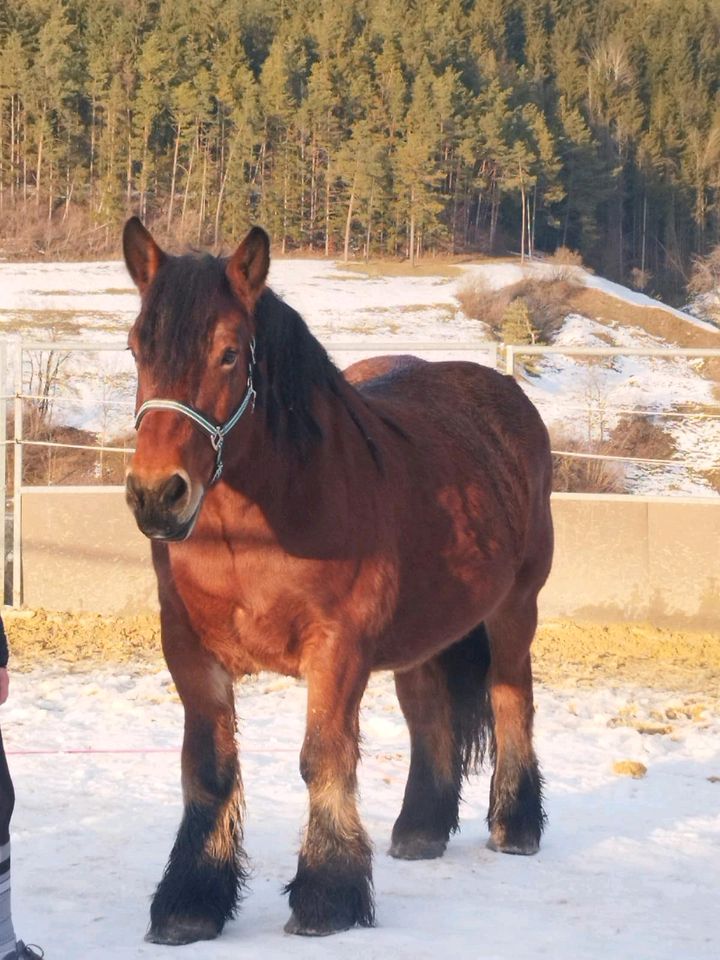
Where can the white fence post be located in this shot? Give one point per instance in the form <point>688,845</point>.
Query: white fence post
<point>510,360</point>
<point>3,459</point>
<point>17,478</point>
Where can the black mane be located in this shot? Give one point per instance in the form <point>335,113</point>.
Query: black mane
<point>295,366</point>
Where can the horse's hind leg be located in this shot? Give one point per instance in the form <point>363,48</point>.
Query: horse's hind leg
<point>200,887</point>
<point>515,814</point>
<point>446,708</point>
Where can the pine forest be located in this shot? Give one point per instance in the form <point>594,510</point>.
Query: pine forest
<point>366,128</point>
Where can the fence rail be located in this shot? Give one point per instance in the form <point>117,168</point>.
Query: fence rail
<point>512,351</point>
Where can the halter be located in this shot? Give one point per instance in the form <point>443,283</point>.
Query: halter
<point>216,432</point>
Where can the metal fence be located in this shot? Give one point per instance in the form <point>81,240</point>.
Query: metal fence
<point>17,391</point>
<point>711,462</point>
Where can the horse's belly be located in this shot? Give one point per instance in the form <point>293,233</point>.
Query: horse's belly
<point>442,598</point>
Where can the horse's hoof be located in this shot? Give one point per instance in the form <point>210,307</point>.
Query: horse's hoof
<point>527,848</point>
<point>295,927</point>
<point>417,848</point>
<point>176,931</point>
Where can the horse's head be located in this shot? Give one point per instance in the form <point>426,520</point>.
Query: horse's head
<point>193,344</point>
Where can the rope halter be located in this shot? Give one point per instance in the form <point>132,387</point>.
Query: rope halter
<point>216,432</point>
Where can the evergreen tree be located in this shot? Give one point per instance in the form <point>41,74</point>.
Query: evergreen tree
<point>412,127</point>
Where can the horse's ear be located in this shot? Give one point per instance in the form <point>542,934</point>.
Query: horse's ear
<point>247,268</point>
<point>143,256</point>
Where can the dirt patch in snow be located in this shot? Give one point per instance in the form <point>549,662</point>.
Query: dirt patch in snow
<point>566,654</point>
<point>605,308</point>
<point>577,654</point>
<point>81,641</point>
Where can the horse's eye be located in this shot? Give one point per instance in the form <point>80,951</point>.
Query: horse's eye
<point>229,357</point>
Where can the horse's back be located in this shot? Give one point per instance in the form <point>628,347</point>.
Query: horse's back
<point>467,400</point>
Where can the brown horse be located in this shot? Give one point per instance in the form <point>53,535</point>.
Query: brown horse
<point>325,525</point>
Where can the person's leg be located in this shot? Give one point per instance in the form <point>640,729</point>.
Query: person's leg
<point>7,802</point>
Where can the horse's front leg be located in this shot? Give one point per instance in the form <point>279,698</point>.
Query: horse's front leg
<point>201,884</point>
<point>332,890</point>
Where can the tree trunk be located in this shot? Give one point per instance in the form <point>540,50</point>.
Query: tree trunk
<point>644,234</point>
<point>494,211</point>
<point>173,179</point>
<point>38,172</point>
<point>369,220</point>
<point>221,191</point>
<point>327,210</point>
<point>92,152</point>
<point>128,172</point>
<point>286,201</point>
<point>533,221</point>
<point>348,220</point>
<point>203,186</point>
<point>187,183</point>
<point>412,227</point>
<point>143,173</point>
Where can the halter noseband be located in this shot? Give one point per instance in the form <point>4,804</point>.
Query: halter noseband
<point>216,432</point>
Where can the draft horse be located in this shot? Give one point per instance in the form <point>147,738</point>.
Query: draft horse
<point>324,525</point>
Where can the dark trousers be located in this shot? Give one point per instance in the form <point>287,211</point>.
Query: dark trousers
<point>7,795</point>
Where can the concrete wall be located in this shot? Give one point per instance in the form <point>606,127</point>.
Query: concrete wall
<point>635,558</point>
<point>616,557</point>
<point>83,552</point>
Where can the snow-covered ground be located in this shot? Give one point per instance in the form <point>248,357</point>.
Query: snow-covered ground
<point>96,302</point>
<point>629,869</point>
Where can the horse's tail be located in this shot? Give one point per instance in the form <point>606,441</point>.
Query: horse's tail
<point>466,666</point>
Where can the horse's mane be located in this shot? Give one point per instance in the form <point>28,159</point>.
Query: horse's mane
<point>174,328</point>
<point>296,365</point>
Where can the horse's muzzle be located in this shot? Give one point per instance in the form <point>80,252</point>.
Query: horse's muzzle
<point>164,510</point>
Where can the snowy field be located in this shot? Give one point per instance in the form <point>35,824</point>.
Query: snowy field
<point>96,302</point>
<point>629,869</point>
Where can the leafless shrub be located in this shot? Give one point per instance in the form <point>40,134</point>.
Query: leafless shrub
<point>640,436</point>
<point>713,478</point>
<point>57,466</point>
<point>640,279</point>
<point>548,301</point>
<point>479,301</point>
<point>633,436</point>
<point>580,475</point>
<point>70,231</point>
<point>564,262</point>
<point>705,276</point>
<point>705,284</point>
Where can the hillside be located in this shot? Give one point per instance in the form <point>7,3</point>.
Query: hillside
<point>631,406</point>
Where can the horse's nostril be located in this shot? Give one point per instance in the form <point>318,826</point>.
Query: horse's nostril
<point>134,492</point>
<point>174,490</point>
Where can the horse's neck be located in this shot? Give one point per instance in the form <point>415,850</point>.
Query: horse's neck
<point>320,497</point>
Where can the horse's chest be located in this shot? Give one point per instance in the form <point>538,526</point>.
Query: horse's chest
<point>246,628</point>
<point>261,611</point>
